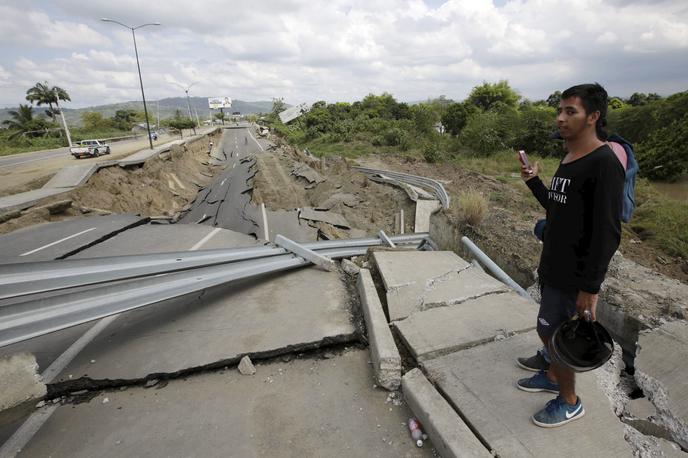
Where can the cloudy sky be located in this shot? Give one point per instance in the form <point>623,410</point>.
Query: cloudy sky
<point>340,50</point>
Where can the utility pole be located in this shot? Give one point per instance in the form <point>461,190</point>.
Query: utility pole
<point>138,66</point>
<point>64,123</point>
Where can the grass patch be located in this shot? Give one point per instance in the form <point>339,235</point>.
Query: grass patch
<point>660,220</point>
<point>472,207</point>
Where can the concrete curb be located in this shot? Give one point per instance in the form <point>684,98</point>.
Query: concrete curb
<point>450,435</point>
<point>383,350</point>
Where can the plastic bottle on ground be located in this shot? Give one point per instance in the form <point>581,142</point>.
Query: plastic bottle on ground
<point>416,432</point>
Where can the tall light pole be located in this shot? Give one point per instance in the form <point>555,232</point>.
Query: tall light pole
<point>186,90</point>
<point>143,95</point>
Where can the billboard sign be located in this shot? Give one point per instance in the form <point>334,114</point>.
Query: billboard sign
<point>215,103</point>
<point>294,112</point>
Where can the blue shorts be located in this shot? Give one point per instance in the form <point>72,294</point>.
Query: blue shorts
<point>556,306</point>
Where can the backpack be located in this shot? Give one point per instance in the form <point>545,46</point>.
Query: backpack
<point>629,182</point>
<point>628,192</point>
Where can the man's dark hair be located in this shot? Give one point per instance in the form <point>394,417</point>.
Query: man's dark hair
<point>594,98</point>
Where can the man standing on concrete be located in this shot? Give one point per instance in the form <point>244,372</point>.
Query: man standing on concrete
<point>583,231</point>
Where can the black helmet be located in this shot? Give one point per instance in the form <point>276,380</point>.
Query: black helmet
<point>581,345</point>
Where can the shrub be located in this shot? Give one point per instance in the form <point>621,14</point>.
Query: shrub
<point>483,134</point>
<point>473,207</point>
<point>662,155</point>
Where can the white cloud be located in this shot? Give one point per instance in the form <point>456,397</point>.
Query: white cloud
<point>342,49</point>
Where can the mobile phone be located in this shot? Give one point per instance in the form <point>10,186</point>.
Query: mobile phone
<point>523,158</point>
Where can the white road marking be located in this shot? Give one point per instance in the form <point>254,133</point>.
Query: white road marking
<point>254,139</point>
<point>56,242</point>
<point>202,242</point>
<point>37,419</point>
<point>222,183</point>
<point>31,425</point>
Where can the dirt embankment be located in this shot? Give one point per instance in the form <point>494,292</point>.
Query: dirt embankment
<point>160,187</point>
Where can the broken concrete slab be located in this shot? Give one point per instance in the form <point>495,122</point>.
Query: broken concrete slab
<point>288,224</point>
<point>425,208</point>
<point>20,380</point>
<point>340,198</point>
<point>449,433</point>
<point>305,407</point>
<point>27,199</point>
<point>333,218</point>
<point>274,315</point>
<point>305,171</point>
<point>480,383</point>
<point>661,373</point>
<point>383,351</point>
<point>72,176</point>
<point>167,238</point>
<point>442,330</point>
<point>418,280</point>
<point>61,239</point>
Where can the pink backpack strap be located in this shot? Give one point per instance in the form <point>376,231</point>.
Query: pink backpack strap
<point>620,153</point>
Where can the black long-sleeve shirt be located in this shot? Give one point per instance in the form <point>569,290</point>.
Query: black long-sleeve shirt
<point>583,229</point>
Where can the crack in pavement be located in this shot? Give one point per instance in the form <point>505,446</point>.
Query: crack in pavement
<point>65,388</point>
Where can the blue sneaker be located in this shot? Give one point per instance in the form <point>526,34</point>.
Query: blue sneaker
<point>558,412</point>
<point>538,382</point>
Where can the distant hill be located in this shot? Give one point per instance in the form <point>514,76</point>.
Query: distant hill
<point>166,107</point>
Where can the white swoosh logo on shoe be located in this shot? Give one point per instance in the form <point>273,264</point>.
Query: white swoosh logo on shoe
<point>573,414</point>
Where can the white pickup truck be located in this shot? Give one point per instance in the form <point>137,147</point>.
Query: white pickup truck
<point>89,148</point>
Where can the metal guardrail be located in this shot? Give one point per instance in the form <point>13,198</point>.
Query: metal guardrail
<point>36,316</point>
<point>415,180</point>
<point>489,264</point>
<point>23,279</point>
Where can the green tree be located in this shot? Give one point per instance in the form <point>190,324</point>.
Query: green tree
<point>424,118</point>
<point>22,121</point>
<point>42,94</point>
<point>92,120</point>
<point>554,99</point>
<point>278,105</point>
<point>488,95</point>
<point>615,103</point>
<point>454,118</point>
<point>180,122</point>
<point>662,156</point>
<point>124,119</point>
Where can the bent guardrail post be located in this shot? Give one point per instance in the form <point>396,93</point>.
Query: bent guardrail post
<point>386,239</point>
<point>305,253</point>
<point>489,264</point>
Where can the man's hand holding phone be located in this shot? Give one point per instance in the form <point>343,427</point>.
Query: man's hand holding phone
<point>528,171</point>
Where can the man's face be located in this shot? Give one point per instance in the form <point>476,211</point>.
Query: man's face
<point>572,119</point>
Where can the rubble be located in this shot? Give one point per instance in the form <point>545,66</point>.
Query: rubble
<point>20,380</point>
<point>246,367</point>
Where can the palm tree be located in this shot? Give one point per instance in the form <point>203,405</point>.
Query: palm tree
<point>23,121</point>
<point>42,93</point>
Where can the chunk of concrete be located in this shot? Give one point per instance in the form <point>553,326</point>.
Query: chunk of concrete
<point>443,330</point>
<point>480,383</point>
<point>383,350</point>
<point>325,216</point>
<point>246,367</point>
<point>20,380</point>
<point>425,208</point>
<point>342,198</point>
<point>450,435</point>
<point>304,171</point>
<point>661,372</point>
<point>419,280</point>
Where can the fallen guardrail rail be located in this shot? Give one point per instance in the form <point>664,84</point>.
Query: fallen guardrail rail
<point>25,319</point>
<point>28,278</point>
<point>415,180</point>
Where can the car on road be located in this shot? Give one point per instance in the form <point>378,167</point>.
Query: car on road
<point>154,135</point>
<point>89,148</point>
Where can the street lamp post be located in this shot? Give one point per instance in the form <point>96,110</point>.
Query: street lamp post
<point>186,91</point>
<point>136,51</point>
